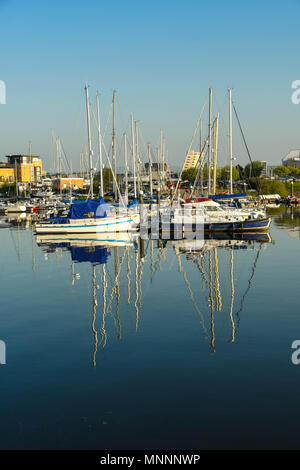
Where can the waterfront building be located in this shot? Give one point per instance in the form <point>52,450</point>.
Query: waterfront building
<point>7,174</point>
<point>73,182</point>
<point>292,159</point>
<point>270,171</point>
<point>23,168</point>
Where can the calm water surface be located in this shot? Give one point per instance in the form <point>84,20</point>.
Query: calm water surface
<point>110,349</point>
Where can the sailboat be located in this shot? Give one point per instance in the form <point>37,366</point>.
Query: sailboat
<point>93,215</point>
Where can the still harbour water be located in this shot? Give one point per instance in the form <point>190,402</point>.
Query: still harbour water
<point>161,346</point>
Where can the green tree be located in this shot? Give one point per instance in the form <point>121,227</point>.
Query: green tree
<point>224,173</point>
<point>295,172</point>
<point>253,169</point>
<point>274,187</point>
<point>107,180</point>
<point>281,171</point>
<point>189,175</point>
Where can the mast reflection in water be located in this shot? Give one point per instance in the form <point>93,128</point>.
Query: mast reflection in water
<point>129,343</point>
<point>202,253</point>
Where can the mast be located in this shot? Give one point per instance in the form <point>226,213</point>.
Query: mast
<point>133,156</point>
<point>114,158</point>
<point>200,136</point>
<point>201,156</point>
<point>89,140</point>
<point>150,170</point>
<point>95,303</point>
<point>158,169</point>
<point>136,302</point>
<point>126,167</point>
<point>30,167</point>
<point>217,282</point>
<point>230,142</point>
<point>81,164</point>
<point>52,151</point>
<point>102,329</point>
<point>161,170</point>
<point>209,140</point>
<point>215,149</point>
<point>58,150</point>
<point>70,184</point>
<point>211,301</point>
<point>16,179</point>
<point>128,275</point>
<point>232,297</point>
<point>100,147</point>
<point>137,156</point>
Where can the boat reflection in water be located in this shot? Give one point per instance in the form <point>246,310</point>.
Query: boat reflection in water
<point>198,251</point>
<point>133,257</point>
<point>95,249</point>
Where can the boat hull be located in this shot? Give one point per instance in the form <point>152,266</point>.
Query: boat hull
<point>121,224</point>
<point>250,225</point>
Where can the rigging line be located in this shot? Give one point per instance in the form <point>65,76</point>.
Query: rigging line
<point>143,141</point>
<point>201,267</point>
<point>102,136</point>
<point>198,122</point>
<point>247,149</point>
<point>114,176</point>
<point>145,292</point>
<point>192,296</point>
<point>200,163</point>
<point>14,243</point>
<point>115,287</point>
<point>120,115</point>
<point>249,285</point>
<point>222,135</point>
<point>107,121</point>
<point>64,153</point>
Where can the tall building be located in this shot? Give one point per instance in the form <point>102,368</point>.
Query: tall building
<point>191,160</point>
<point>264,169</point>
<point>23,168</point>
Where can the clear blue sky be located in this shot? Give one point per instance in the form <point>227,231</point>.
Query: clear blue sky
<point>161,56</point>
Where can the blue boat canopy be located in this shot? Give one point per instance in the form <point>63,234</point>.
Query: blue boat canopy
<point>95,208</point>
